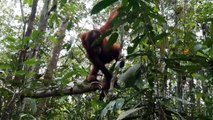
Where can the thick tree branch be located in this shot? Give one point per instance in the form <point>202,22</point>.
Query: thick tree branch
<point>56,92</point>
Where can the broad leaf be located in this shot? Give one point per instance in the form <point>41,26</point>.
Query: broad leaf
<point>129,76</point>
<point>101,5</point>
<point>127,113</point>
<point>113,38</point>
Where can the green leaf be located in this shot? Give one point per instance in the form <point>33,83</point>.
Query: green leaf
<point>29,2</point>
<point>128,112</point>
<point>30,104</point>
<point>134,4</point>
<point>11,39</point>
<point>119,103</point>
<point>70,25</point>
<point>100,39</point>
<point>129,76</point>
<point>197,62</point>
<point>198,47</point>
<point>136,42</point>
<point>67,46</point>
<point>161,36</point>
<point>101,5</point>
<point>64,1</point>
<point>20,73</point>
<point>160,18</point>
<point>189,36</point>
<point>4,66</point>
<point>113,105</point>
<point>113,38</point>
<point>78,70</point>
<point>191,68</point>
<point>211,29</point>
<point>24,116</point>
<point>182,100</point>
<point>109,107</point>
<point>125,2</point>
<point>139,53</point>
<point>199,95</point>
<point>36,35</point>
<point>54,40</point>
<point>67,75</point>
<point>31,62</point>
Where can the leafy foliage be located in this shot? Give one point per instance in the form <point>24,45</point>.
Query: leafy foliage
<point>168,70</point>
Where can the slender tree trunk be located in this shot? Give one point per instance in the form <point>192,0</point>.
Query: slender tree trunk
<point>9,112</point>
<point>192,96</point>
<point>56,51</point>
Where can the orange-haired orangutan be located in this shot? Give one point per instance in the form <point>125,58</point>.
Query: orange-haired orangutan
<point>101,54</point>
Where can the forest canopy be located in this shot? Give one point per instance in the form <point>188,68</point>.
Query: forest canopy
<point>164,69</point>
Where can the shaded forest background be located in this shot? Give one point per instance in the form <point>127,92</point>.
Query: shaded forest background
<point>168,50</point>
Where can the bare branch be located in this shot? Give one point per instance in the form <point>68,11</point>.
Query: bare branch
<point>77,89</point>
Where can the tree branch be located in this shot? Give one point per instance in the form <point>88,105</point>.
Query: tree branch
<point>56,92</point>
